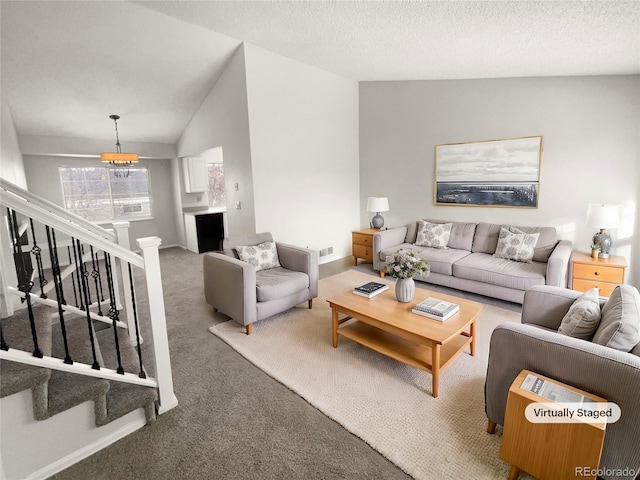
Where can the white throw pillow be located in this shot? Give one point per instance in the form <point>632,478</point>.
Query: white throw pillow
<point>583,317</point>
<point>262,256</point>
<point>514,244</point>
<point>435,235</point>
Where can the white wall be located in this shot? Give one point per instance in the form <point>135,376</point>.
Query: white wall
<point>222,121</point>
<point>11,166</point>
<point>591,146</point>
<point>304,151</point>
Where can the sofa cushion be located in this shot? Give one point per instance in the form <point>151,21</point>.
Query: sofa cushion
<point>583,317</point>
<point>435,235</point>
<point>441,260</point>
<point>262,256</point>
<point>276,283</point>
<point>486,268</point>
<point>485,240</point>
<point>620,324</point>
<point>461,236</point>
<point>514,244</point>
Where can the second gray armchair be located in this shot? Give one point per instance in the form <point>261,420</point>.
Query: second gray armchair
<point>247,293</point>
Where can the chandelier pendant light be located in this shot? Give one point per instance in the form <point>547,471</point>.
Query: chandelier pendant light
<point>118,160</point>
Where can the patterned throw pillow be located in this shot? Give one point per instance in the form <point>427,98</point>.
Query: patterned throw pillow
<point>434,235</point>
<point>514,244</point>
<point>263,256</point>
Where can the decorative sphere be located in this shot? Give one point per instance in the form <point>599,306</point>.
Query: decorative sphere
<point>377,221</point>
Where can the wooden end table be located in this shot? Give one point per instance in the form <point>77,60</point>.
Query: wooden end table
<point>362,244</point>
<point>550,451</point>
<point>389,327</point>
<point>605,273</point>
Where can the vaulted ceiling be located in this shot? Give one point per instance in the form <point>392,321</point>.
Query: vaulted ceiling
<point>68,65</point>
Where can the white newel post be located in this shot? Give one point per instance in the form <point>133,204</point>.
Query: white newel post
<point>122,235</point>
<point>167,398</point>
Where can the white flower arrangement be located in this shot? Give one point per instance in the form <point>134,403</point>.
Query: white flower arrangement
<point>407,264</point>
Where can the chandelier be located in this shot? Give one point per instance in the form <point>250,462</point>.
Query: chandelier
<point>119,161</point>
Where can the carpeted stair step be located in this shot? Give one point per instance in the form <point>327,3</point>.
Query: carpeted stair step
<point>124,398</point>
<point>66,390</point>
<point>16,330</point>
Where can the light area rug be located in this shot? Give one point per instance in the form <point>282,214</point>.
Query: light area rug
<point>382,401</point>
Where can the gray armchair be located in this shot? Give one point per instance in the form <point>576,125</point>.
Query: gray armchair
<point>535,345</point>
<point>236,289</point>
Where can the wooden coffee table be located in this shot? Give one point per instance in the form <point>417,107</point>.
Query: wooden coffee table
<point>389,327</point>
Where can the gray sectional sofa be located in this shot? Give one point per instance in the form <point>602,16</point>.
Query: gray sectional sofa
<point>468,262</point>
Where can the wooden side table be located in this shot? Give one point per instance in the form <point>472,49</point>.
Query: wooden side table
<point>605,273</point>
<point>548,451</point>
<point>362,244</point>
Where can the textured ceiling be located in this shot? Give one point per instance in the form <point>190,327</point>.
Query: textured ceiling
<point>67,65</point>
<point>412,40</point>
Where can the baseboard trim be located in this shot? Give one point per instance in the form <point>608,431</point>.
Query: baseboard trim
<point>88,450</point>
<point>173,403</point>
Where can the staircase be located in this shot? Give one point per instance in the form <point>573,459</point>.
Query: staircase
<point>82,321</point>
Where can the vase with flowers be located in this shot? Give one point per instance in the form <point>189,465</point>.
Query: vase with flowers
<point>403,266</point>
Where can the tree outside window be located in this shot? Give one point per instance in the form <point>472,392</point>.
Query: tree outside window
<point>98,195</point>
<point>217,198</point>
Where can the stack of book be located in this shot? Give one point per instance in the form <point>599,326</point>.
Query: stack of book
<point>436,309</point>
<point>370,289</point>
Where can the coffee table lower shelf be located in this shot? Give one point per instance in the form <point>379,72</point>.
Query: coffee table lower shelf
<point>415,354</point>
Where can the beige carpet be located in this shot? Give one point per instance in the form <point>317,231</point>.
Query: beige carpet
<point>382,401</point>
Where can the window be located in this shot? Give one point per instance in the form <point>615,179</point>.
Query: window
<point>98,195</point>
<point>217,197</point>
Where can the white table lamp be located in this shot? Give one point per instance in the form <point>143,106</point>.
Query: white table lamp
<point>377,204</point>
<point>603,217</point>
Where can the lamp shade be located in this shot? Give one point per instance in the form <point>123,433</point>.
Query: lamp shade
<point>118,158</point>
<point>603,216</point>
<point>377,204</point>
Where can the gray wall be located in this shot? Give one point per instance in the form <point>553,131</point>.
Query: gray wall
<point>222,121</point>
<point>591,154</point>
<point>44,180</point>
<point>11,165</point>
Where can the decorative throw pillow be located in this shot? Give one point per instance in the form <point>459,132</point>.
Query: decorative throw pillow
<point>434,235</point>
<point>262,256</point>
<point>514,244</point>
<point>620,324</point>
<point>583,317</point>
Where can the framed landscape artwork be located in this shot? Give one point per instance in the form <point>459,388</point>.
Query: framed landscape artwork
<point>495,173</point>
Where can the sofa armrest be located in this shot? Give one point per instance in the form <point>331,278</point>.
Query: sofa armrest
<point>300,259</point>
<point>603,371</point>
<point>558,264</point>
<point>230,286</point>
<point>386,239</point>
<point>546,306</point>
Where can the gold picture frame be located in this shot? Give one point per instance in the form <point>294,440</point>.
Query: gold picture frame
<point>491,173</point>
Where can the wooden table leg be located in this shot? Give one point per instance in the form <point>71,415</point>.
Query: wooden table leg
<point>514,473</point>
<point>473,338</point>
<point>334,326</point>
<point>435,368</point>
